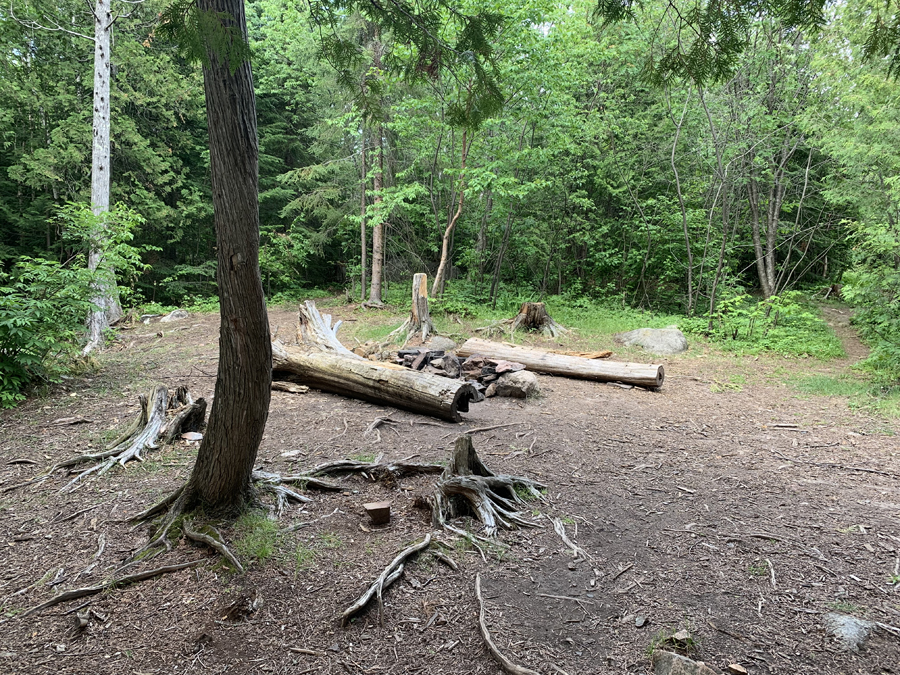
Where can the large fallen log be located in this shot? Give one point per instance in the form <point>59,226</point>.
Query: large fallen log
<point>379,383</point>
<point>541,361</point>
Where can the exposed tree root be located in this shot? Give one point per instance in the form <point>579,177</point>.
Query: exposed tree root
<point>385,579</point>
<point>468,487</point>
<point>114,583</point>
<point>507,665</point>
<point>315,330</point>
<point>375,469</point>
<point>213,539</point>
<point>148,431</point>
<point>560,529</point>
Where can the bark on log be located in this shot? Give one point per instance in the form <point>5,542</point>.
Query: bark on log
<point>379,383</point>
<point>541,361</point>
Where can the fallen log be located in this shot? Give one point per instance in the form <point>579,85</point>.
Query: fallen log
<point>322,362</point>
<point>541,361</point>
<point>384,384</point>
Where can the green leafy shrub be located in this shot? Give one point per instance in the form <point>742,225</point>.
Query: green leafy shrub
<point>43,305</point>
<point>784,324</point>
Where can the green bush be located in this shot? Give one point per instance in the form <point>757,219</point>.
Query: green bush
<point>43,305</point>
<point>783,324</point>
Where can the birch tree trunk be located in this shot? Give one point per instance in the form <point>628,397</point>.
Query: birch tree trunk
<point>106,297</point>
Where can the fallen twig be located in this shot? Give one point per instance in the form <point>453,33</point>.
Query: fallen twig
<point>832,465</point>
<point>491,428</point>
<point>507,665</point>
<point>386,578</point>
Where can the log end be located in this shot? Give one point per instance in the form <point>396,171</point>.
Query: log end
<point>464,395</point>
<point>660,377</point>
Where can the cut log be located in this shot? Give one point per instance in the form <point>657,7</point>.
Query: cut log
<point>381,383</point>
<point>419,320</point>
<point>541,361</point>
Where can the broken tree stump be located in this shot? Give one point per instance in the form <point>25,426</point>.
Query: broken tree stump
<point>532,317</point>
<point>541,361</point>
<point>419,320</point>
<point>468,488</point>
<point>322,362</point>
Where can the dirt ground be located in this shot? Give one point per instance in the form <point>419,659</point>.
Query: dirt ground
<point>725,504</point>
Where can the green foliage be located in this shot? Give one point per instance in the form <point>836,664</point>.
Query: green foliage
<point>783,324</point>
<point>256,536</point>
<point>42,309</point>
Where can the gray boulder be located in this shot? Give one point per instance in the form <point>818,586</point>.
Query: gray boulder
<point>849,631</point>
<point>176,315</point>
<point>668,340</point>
<point>518,384</point>
<point>669,663</point>
<point>440,344</point>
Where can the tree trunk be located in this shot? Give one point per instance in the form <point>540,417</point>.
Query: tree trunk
<point>221,477</point>
<point>439,278</point>
<point>106,298</point>
<point>380,383</point>
<point>378,228</point>
<point>362,219</point>
<point>541,361</point>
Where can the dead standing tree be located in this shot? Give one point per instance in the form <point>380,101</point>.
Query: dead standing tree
<point>419,320</point>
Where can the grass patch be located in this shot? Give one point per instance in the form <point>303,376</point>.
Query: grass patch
<point>829,385</point>
<point>330,540</point>
<point>861,394</point>
<point>256,536</point>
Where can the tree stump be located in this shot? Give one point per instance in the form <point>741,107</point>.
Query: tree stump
<point>533,316</point>
<point>419,318</point>
<point>468,488</point>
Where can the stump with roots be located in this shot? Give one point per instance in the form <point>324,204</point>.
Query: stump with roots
<point>419,320</point>
<point>162,418</point>
<point>532,317</point>
<point>468,488</point>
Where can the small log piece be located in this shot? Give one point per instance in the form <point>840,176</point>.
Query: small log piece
<point>541,361</point>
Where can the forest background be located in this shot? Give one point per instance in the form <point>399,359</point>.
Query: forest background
<point>566,171</point>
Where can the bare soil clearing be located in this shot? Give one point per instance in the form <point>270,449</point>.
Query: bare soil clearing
<point>742,514</point>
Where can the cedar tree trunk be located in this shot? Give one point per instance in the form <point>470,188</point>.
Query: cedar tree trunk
<point>221,478</point>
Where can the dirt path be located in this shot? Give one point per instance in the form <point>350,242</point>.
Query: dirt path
<point>723,504</point>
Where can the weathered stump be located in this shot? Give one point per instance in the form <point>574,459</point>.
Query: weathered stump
<point>419,320</point>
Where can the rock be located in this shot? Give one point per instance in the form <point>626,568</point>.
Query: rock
<point>176,315</point>
<point>440,343</point>
<point>682,638</point>
<point>640,621</point>
<point>669,663</point>
<point>849,631</point>
<point>667,340</point>
<point>520,384</point>
<point>736,669</point>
